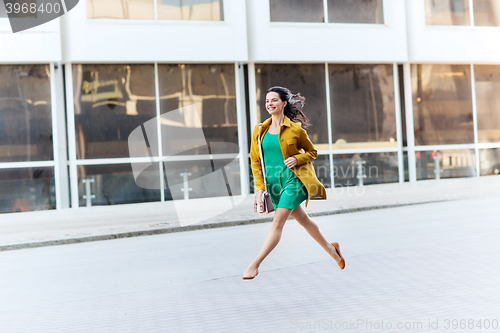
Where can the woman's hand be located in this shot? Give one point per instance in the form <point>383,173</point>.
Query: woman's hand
<point>291,162</point>
<point>259,196</point>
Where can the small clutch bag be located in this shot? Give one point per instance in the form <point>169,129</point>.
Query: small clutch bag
<point>265,206</point>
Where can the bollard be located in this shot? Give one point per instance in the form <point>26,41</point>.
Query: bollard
<point>88,191</point>
<point>360,174</point>
<point>186,187</point>
<point>437,168</point>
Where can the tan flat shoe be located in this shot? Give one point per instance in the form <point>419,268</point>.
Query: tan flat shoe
<point>337,248</point>
<point>250,277</point>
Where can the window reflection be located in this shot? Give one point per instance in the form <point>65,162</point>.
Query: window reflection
<point>489,161</point>
<point>203,179</point>
<point>322,168</point>
<point>447,12</point>
<point>110,102</point>
<point>309,80</point>
<point>297,11</point>
<point>487,13</point>
<point>201,10</point>
<point>114,184</point>
<point>363,109</point>
<point>120,9</point>
<point>442,104</point>
<point>377,167</point>
<point>488,102</point>
<point>26,189</point>
<point>355,11</point>
<point>25,114</point>
<point>452,164</point>
<point>211,88</point>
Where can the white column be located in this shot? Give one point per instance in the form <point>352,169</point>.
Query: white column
<point>399,123</point>
<point>242,127</point>
<point>325,10</point>
<point>70,107</point>
<point>410,133</point>
<point>471,12</point>
<point>59,137</point>
<point>252,98</point>
<point>329,123</point>
<point>474,118</point>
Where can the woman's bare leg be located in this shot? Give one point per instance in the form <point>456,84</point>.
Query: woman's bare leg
<point>312,228</point>
<point>272,239</point>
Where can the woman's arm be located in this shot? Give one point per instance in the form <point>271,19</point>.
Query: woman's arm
<point>310,151</point>
<point>255,161</point>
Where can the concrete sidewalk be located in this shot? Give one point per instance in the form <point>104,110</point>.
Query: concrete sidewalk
<point>44,228</point>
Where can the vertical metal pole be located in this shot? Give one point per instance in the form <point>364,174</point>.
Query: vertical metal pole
<point>88,191</point>
<point>361,175</point>
<point>186,187</point>
<point>329,124</point>
<point>242,127</point>
<point>474,120</point>
<point>471,12</point>
<point>55,137</point>
<point>325,10</point>
<point>70,107</point>
<point>410,134</point>
<point>437,167</point>
<point>158,126</point>
<point>399,123</point>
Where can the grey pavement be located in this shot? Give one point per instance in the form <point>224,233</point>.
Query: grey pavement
<point>33,229</point>
<point>412,266</point>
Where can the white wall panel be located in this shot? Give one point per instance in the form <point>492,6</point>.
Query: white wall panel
<point>40,44</point>
<point>319,42</point>
<point>124,40</point>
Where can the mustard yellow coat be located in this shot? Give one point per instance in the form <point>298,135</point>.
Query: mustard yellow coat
<point>295,142</point>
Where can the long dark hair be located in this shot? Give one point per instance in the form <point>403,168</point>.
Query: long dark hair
<point>293,109</point>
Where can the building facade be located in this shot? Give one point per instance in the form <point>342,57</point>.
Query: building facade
<point>396,90</point>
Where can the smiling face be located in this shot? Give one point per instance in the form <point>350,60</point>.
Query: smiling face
<point>274,104</point>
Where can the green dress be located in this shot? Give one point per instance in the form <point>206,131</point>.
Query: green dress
<point>284,187</point>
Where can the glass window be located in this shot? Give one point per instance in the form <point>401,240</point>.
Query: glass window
<point>452,164</point>
<point>121,9</point>
<point>27,189</point>
<point>447,12</point>
<point>355,11</point>
<point>211,89</point>
<point>309,80</point>
<point>442,104</point>
<point>363,108</point>
<point>201,10</point>
<point>110,102</point>
<point>114,184</point>
<point>322,169</point>
<point>489,161</point>
<point>25,114</point>
<point>487,13</point>
<point>377,167</point>
<point>297,11</point>
<point>488,102</point>
<point>202,178</point>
